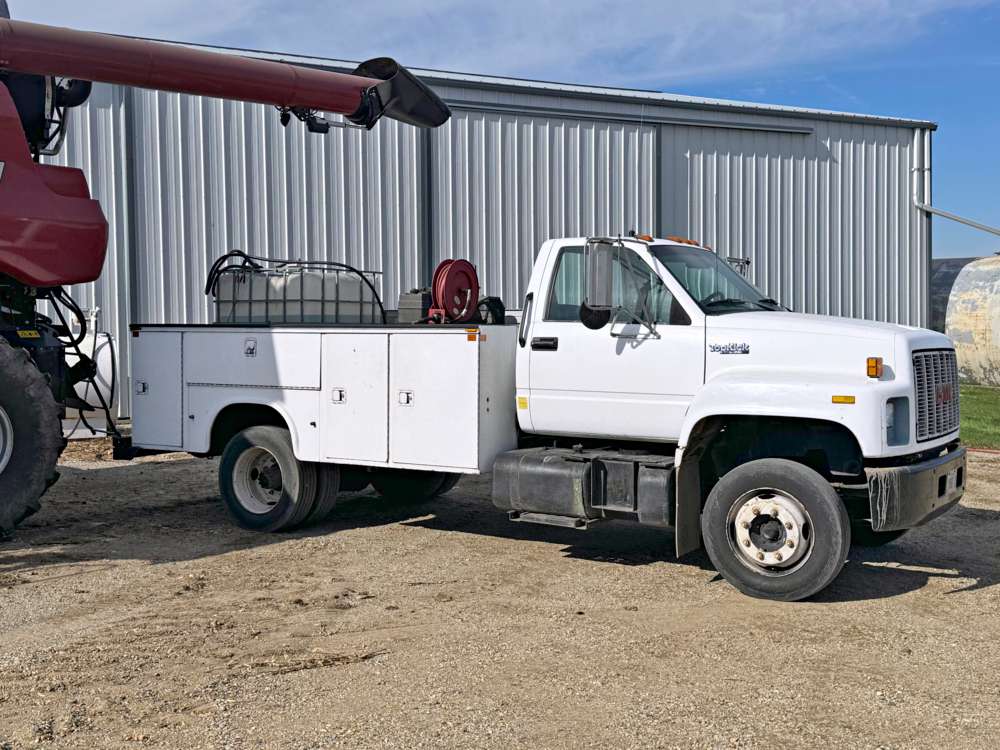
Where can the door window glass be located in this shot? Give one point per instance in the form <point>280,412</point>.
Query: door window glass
<point>637,291</point>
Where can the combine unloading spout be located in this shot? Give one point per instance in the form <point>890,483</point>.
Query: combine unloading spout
<point>378,87</point>
<point>52,232</point>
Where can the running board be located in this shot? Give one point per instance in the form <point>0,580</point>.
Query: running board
<point>549,519</point>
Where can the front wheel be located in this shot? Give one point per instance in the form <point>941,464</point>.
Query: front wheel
<point>265,488</point>
<point>776,529</point>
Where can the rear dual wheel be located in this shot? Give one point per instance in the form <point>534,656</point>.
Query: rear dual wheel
<point>412,486</point>
<point>264,486</point>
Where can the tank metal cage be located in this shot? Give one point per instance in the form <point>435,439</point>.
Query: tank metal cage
<point>253,290</point>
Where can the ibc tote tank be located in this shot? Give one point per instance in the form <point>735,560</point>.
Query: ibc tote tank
<point>973,321</point>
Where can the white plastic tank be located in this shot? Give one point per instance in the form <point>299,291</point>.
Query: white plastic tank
<point>99,346</point>
<point>973,321</point>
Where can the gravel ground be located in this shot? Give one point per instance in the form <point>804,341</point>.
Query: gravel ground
<point>134,614</point>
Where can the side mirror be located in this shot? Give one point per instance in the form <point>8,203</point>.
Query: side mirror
<point>595,311</point>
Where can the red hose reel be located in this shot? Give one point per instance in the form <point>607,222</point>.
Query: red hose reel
<point>454,292</point>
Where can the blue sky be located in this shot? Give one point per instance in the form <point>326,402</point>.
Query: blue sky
<point>928,59</point>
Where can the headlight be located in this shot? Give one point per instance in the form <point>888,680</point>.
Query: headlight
<point>897,421</point>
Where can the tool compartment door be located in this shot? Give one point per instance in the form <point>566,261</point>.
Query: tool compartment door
<point>434,399</point>
<point>354,417</point>
<point>157,388</point>
<point>253,358</point>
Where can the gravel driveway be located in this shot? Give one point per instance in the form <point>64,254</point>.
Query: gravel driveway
<point>134,614</point>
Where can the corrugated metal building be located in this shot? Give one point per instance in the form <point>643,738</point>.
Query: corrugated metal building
<point>820,202</point>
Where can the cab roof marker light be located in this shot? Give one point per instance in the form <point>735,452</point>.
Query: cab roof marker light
<point>875,367</point>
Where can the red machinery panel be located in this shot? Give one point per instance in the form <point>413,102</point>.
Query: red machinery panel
<point>51,232</point>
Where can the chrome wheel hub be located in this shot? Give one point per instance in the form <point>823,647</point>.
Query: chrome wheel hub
<point>257,481</point>
<point>770,530</point>
<point>6,439</point>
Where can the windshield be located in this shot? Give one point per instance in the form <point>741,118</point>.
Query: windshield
<point>714,284</point>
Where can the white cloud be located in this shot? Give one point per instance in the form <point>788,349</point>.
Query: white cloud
<point>647,43</point>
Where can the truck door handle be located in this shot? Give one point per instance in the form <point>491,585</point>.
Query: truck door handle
<point>545,344</point>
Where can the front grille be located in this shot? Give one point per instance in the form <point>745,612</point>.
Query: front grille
<point>935,375</point>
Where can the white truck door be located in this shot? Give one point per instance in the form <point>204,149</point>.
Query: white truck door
<point>622,381</point>
<point>354,418</point>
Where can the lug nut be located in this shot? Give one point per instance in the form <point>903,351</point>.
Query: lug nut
<point>746,542</point>
<point>756,511</point>
<point>745,525</point>
<point>790,544</point>
<point>760,555</point>
<point>777,556</point>
<point>788,525</point>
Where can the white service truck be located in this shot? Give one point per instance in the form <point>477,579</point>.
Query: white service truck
<point>646,380</point>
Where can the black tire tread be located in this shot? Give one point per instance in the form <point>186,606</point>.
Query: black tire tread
<point>32,468</point>
<point>327,490</point>
<point>827,510</point>
<point>278,441</point>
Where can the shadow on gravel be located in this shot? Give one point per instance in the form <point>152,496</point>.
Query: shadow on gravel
<point>170,512</point>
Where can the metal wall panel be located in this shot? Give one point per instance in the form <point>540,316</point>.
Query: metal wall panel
<point>826,218</point>
<point>503,184</point>
<point>212,176</point>
<point>821,206</point>
<point>96,143</point>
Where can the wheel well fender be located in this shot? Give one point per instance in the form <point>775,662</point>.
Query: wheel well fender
<point>719,443</point>
<point>234,418</point>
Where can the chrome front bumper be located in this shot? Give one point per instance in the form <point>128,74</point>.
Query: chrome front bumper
<point>902,497</point>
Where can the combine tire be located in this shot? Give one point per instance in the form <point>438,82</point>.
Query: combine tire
<point>264,486</point>
<point>30,437</point>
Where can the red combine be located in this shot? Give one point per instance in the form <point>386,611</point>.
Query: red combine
<point>53,234</point>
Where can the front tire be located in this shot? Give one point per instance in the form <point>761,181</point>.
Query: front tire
<point>264,487</point>
<point>776,529</point>
<point>30,437</point>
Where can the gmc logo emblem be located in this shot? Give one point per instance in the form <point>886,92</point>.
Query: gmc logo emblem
<point>943,393</point>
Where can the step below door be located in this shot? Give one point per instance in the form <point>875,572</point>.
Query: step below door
<point>354,414</point>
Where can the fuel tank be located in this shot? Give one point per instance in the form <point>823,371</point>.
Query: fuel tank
<point>973,321</point>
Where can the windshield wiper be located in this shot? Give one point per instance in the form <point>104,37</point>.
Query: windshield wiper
<point>728,301</point>
<point>770,304</point>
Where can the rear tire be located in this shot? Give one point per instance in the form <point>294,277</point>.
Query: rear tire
<point>354,479</point>
<point>30,437</point>
<point>409,486</point>
<point>327,489</point>
<point>776,529</point>
<point>265,488</point>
